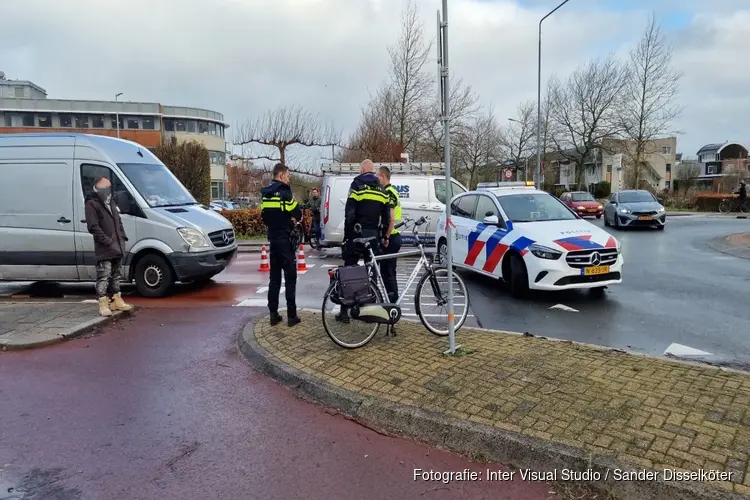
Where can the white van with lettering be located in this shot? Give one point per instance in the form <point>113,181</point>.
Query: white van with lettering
<point>421,187</point>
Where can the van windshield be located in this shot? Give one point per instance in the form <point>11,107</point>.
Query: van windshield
<point>158,186</point>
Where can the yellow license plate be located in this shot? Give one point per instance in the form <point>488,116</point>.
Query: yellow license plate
<point>595,270</point>
<point>645,217</point>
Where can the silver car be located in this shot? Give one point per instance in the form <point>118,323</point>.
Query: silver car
<point>632,208</point>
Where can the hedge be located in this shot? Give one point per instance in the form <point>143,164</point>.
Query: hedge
<point>248,222</point>
<point>709,202</point>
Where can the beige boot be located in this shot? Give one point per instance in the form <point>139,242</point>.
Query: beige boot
<point>104,307</point>
<point>118,304</point>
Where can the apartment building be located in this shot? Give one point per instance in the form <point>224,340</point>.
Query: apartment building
<point>25,107</point>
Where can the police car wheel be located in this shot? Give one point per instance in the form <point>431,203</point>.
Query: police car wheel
<point>519,278</point>
<point>442,253</point>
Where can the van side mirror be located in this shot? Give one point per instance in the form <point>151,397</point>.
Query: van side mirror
<point>491,220</point>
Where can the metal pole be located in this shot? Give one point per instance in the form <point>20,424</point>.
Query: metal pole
<point>448,184</point>
<point>538,168</point>
<point>117,114</point>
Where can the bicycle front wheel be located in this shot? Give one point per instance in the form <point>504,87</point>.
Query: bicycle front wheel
<point>343,330</point>
<point>745,207</point>
<point>725,206</point>
<point>431,301</point>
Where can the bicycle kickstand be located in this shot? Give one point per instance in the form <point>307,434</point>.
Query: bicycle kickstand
<point>390,331</point>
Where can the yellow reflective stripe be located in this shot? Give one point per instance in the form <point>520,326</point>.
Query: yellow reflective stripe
<point>289,206</point>
<point>270,204</point>
<point>397,208</point>
<point>370,195</point>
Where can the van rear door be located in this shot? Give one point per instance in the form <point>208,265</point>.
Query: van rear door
<point>37,239</point>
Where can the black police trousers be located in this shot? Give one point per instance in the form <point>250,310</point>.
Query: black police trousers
<point>388,268</point>
<point>282,259</point>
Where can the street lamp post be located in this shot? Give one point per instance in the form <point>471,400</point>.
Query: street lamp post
<point>444,81</point>
<point>117,114</point>
<point>539,100</point>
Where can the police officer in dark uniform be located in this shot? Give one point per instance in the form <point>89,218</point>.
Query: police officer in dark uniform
<point>367,207</point>
<point>280,213</point>
<point>392,236</point>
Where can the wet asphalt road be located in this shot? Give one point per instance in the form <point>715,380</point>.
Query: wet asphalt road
<point>163,407</point>
<point>675,290</point>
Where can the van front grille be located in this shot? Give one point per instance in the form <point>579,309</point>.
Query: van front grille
<point>222,238</point>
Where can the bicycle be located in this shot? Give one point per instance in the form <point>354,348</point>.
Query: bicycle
<point>368,307</point>
<point>732,204</point>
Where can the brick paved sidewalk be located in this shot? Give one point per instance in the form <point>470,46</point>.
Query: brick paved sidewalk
<point>27,324</point>
<point>613,407</point>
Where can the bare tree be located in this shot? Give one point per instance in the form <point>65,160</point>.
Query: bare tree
<point>478,148</point>
<point>463,109</point>
<point>410,85</point>
<point>648,106</point>
<point>517,137</point>
<point>284,127</point>
<point>584,111</point>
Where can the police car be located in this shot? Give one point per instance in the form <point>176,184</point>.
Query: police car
<point>530,239</point>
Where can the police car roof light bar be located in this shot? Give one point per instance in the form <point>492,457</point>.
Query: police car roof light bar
<point>403,168</point>
<point>508,185</point>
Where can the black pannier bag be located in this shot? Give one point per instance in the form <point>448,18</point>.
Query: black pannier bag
<point>354,286</point>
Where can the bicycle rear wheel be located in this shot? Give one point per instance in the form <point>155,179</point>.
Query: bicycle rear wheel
<point>351,334</point>
<point>725,206</point>
<point>745,207</point>
<point>431,302</point>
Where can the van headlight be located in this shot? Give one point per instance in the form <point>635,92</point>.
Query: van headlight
<point>193,238</point>
<point>543,252</point>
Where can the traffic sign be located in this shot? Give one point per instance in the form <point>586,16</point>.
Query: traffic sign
<point>508,174</point>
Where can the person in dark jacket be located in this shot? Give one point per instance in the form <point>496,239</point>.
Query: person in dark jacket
<point>742,191</point>
<point>104,223</point>
<point>313,204</point>
<point>280,213</point>
<point>367,206</point>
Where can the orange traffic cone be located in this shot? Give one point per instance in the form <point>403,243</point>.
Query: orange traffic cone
<point>301,266</point>
<point>264,260</point>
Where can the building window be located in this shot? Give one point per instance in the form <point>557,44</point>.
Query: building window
<point>609,169</point>
<point>667,150</point>
<point>221,130</point>
<point>115,119</point>
<point>19,92</point>
<point>711,169</point>
<point>97,121</point>
<point>133,123</point>
<point>147,122</point>
<point>82,121</point>
<point>669,167</point>
<point>217,190</point>
<point>191,127</point>
<point>180,125</point>
<point>202,127</point>
<point>66,120</point>
<point>212,128</point>
<point>45,120</point>
<point>217,158</point>
<point>27,119</point>
<point>168,124</point>
<point>8,121</point>
<point>666,184</point>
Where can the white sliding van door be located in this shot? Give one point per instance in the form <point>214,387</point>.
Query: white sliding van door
<point>37,242</point>
<point>86,174</point>
<point>414,195</point>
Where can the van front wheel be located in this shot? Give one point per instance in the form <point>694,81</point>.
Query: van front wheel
<point>153,276</point>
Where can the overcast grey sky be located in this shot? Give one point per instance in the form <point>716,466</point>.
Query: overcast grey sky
<point>241,57</point>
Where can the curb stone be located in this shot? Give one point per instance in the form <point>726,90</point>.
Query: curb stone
<point>71,333</point>
<point>720,244</point>
<point>478,441</point>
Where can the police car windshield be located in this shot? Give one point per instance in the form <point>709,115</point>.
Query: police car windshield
<point>536,207</point>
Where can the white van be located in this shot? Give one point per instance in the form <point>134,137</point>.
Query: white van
<point>44,179</point>
<point>420,185</point>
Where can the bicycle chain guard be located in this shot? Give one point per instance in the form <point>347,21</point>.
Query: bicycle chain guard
<point>385,314</point>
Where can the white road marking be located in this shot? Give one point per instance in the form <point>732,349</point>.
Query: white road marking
<point>328,266</point>
<point>264,289</point>
<point>252,303</point>
<point>682,350</point>
<point>90,301</point>
<point>562,307</point>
